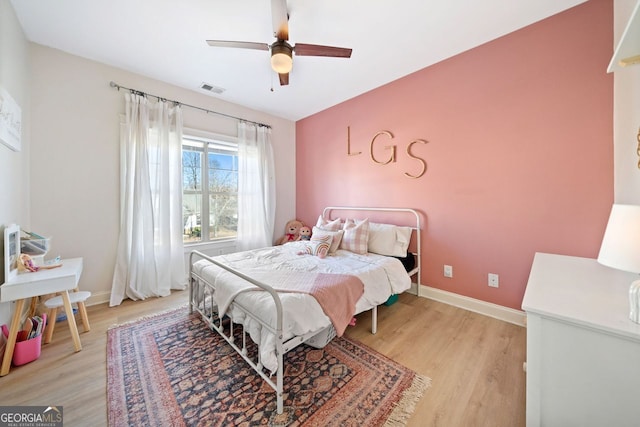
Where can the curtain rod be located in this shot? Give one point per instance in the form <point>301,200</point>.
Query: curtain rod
<point>137,92</point>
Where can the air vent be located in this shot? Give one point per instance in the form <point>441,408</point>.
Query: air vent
<point>212,88</point>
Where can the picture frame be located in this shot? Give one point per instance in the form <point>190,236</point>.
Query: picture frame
<point>10,121</point>
<point>11,251</point>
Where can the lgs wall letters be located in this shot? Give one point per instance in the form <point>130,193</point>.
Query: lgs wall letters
<point>392,149</point>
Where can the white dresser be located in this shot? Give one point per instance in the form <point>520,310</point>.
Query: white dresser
<point>583,352</point>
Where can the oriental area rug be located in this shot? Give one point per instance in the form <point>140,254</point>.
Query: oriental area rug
<point>172,370</point>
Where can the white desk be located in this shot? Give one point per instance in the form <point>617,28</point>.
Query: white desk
<point>583,352</point>
<point>43,282</point>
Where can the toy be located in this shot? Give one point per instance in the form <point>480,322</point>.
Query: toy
<point>291,232</point>
<point>304,233</point>
<point>25,263</point>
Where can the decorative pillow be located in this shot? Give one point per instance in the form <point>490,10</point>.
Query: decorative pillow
<point>389,240</point>
<point>318,247</point>
<point>356,236</point>
<point>336,237</point>
<point>333,225</point>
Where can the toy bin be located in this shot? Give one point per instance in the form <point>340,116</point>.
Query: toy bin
<point>322,338</point>
<point>35,247</point>
<point>26,350</point>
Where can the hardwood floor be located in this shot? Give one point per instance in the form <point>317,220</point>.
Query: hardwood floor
<point>474,361</point>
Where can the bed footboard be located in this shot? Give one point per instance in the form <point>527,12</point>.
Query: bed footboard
<point>201,300</point>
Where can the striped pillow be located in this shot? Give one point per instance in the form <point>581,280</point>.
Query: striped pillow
<point>356,236</point>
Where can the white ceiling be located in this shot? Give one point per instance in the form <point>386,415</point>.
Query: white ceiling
<point>165,40</point>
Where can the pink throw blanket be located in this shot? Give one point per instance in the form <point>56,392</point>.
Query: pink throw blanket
<point>337,294</point>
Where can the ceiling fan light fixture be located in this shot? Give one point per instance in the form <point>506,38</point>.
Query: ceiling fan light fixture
<point>281,57</point>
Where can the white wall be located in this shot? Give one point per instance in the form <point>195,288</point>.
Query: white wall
<point>75,155</point>
<point>14,166</point>
<point>626,117</point>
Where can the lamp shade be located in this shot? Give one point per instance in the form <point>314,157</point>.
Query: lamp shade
<point>281,63</point>
<point>281,57</point>
<point>621,243</point>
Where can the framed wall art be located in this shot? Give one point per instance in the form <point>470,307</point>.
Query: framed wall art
<point>10,121</point>
<point>11,251</point>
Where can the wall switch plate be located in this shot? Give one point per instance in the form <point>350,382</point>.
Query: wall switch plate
<point>448,271</point>
<point>493,280</point>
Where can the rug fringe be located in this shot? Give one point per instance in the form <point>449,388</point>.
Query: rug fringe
<point>148,316</point>
<point>407,404</point>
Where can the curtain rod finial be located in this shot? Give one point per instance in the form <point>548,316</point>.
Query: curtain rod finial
<point>113,84</point>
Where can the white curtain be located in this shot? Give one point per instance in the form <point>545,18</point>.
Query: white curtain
<point>256,187</point>
<point>150,257</point>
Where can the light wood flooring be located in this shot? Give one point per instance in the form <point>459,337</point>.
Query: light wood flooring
<point>474,362</point>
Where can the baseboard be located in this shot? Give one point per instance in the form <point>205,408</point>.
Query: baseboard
<point>496,311</point>
<point>98,298</point>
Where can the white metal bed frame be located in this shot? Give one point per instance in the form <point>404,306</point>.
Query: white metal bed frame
<point>326,213</point>
<point>201,300</point>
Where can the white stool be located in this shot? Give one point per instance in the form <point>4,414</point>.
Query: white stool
<point>53,304</point>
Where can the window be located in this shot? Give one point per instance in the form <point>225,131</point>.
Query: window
<point>209,189</point>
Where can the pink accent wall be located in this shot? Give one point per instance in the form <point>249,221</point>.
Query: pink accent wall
<point>519,154</point>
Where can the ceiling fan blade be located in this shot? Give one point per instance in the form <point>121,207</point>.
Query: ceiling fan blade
<point>284,79</point>
<point>280,19</point>
<point>303,49</point>
<point>241,45</point>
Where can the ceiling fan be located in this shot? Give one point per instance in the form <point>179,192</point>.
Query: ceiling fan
<point>281,50</point>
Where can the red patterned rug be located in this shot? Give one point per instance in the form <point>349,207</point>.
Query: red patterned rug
<point>172,370</point>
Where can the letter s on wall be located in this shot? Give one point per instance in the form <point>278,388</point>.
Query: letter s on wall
<point>424,164</point>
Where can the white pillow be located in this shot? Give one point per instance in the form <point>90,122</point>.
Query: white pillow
<point>319,233</point>
<point>356,236</point>
<point>333,225</point>
<point>389,240</point>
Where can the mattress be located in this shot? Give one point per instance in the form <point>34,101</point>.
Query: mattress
<point>382,277</point>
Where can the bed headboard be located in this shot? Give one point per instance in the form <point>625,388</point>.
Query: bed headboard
<point>401,216</point>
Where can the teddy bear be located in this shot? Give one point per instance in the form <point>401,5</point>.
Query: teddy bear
<point>304,233</point>
<point>291,232</point>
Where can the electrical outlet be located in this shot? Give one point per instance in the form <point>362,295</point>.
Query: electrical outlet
<point>448,271</point>
<point>493,280</point>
